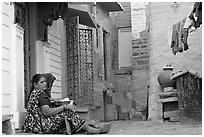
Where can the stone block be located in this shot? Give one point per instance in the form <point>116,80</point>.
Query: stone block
<point>174,119</point>
<point>83,112</point>
<point>124,116</point>
<point>110,112</point>
<point>168,94</point>
<point>8,127</point>
<point>108,99</point>
<point>171,99</point>
<point>171,114</point>
<point>137,116</point>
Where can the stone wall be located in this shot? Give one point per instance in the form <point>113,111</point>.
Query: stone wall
<point>162,16</point>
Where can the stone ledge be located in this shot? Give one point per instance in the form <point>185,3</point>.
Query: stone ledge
<point>171,99</point>
<point>7,117</point>
<point>163,95</point>
<point>7,125</point>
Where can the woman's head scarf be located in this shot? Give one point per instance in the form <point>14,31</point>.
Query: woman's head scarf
<point>50,80</point>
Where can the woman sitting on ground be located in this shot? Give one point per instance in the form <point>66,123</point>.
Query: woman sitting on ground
<point>52,119</point>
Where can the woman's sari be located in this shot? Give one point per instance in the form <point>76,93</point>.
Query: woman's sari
<point>36,122</point>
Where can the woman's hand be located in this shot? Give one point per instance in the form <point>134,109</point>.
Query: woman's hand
<point>68,106</point>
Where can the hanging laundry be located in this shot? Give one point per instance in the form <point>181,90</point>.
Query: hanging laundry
<point>181,29</point>
<point>184,35</point>
<point>174,39</point>
<point>180,46</point>
<point>179,37</point>
<point>188,22</point>
<point>184,38</point>
<point>169,35</point>
<point>196,14</point>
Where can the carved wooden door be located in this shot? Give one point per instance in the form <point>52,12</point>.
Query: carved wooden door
<point>86,66</point>
<point>79,63</point>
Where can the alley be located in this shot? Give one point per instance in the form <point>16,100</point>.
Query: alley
<point>123,62</point>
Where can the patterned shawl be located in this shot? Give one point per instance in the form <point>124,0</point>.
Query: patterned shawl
<point>32,122</point>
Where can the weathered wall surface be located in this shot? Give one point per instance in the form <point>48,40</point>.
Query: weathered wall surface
<point>162,17</point>
<point>123,18</point>
<point>134,16</point>
<point>123,97</point>
<point>106,23</point>
<point>140,57</point>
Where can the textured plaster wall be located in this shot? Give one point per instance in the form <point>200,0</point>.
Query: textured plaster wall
<point>123,18</point>
<point>140,55</point>
<point>134,16</point>
<point>162,17</point>
<point>123,96</point>
<point>107,23</point>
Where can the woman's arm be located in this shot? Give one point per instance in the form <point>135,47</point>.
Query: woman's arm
<point>47,111</point>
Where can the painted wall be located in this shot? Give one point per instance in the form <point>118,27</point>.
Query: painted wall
<point>162,17</point>
<point>12,66</point>
<point>7,61</point>
<point>62,31</point>
<point>125,47</point>
<point>55,60</point>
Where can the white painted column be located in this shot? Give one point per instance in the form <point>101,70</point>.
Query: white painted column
<point>18,106</point>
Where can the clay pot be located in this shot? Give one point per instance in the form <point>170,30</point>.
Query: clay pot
<point>164,78</point>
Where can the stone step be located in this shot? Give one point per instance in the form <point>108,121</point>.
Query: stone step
<point>171,99</point>
<point>83,112</point>
<point>168,94</point>
<point>7,125</point>
<point>174,119</point>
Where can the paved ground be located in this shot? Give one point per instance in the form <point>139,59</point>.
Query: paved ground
<point>154,128</point>
<point>151,128</point>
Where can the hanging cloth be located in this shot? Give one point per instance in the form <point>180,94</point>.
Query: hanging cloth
<point>182,36</point>
<point>196,14</point>
<point>174,38</point>
<point>179,37</point>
